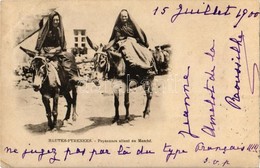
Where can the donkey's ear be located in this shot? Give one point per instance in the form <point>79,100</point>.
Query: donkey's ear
<point>91,44</point>
<point>94,59</point>
<point>28,52</point>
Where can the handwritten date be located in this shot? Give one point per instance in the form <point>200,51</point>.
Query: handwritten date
<point>207,10</point>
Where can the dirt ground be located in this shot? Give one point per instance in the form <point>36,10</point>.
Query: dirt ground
<point>95,109</point>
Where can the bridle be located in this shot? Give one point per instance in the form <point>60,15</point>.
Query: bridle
<point>45,64</point>
<point>104,65</point>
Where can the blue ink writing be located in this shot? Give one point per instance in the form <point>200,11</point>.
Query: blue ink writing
<point>171,152</point>
<point>241,13</point>
<point>41,153</point>
<point>253,148</point>
<point>142,151</point>
<point>123,151</point>
<point>255,69</point>
<point>100,152</point>
<point>208,10</point>
<point>186,112</point>
<point>78,151</point>
<point>236,97</point>
<point>210,130</point>
<point>216,162</point>
<point>163,10</point>
<point>10,150</point>
<point>212,52</point>
<point>201,147</point>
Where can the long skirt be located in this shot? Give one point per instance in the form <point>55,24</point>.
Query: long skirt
<point>135,54</point>
<point>68,62</point>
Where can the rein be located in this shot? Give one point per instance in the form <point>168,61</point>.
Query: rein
<point>45,63</point>
<point>107,63</point>
<point>47,70</point>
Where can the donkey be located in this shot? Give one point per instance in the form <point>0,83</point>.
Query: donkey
<point>113,66</point>
<point>51,84</point>
<point>162,58</point>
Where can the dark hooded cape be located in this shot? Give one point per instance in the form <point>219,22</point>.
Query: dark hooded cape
<point>46,28</point>
<point>133,45</point>
<point>139,33</point>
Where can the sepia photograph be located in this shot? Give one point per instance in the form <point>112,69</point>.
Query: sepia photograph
<point>110,83</point>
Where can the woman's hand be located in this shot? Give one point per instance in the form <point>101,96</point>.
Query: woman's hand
<point>52,51</point>
<point>121,38</point>
<point>109,45</point>
<point>47,49</point>
<point>49,55</point>
<point>55,50</point>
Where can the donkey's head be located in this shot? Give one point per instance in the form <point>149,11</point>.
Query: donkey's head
<point>100,60</point>
<point>39,70</point>
<point>107,62</point>
<point>101,64</point>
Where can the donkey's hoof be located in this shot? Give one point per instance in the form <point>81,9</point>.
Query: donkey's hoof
<point>74,116</point>
<point>49,129</point>
<point>115,120</point>
<point>59,123</point>
<point>146,113</point>
<point>54,129</point>
<point>127,119</point>
<point>50,125</point>
<point>66,123</point>
<point>54,124</point>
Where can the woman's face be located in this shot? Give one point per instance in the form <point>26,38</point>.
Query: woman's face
<point>124,16</point>
<point>55,21</point>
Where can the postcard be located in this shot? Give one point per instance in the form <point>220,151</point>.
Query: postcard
<point>108,83</point>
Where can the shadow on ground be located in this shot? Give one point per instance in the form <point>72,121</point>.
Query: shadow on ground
<point>97,122</point>
<point>43,127</point>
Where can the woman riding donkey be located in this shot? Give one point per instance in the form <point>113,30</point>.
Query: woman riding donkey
<point>52,44</point>
<point>129,41</point>
<point>127,59</point>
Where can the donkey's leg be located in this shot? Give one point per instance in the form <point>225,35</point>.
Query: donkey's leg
<point>116,104</point>
<point>55,107</point>
<point>46,103</point>
<point>127,104</point>
<point>74,102</point>
<point>69,102</point>
<point>117,85</point>
<point>149,94</point>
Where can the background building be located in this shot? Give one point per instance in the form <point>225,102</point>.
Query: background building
<point>79,46</point>
<point>79,38</point>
